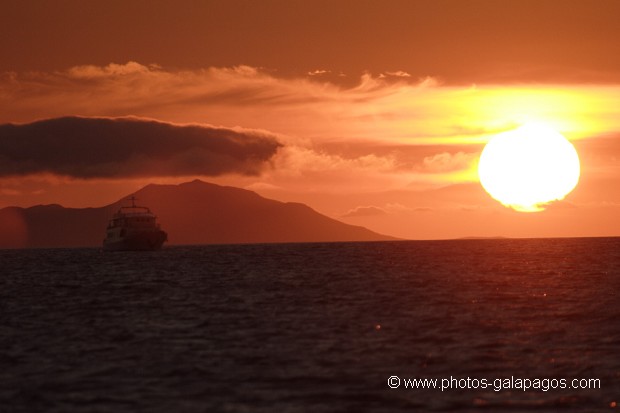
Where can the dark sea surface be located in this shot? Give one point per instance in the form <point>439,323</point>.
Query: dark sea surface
<point>311,327</point>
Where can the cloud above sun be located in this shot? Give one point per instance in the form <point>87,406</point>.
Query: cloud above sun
<point>387,107</point>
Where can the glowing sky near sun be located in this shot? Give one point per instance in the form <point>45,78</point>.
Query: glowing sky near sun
<point>380,118</point>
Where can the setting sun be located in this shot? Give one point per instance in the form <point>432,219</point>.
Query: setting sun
<point>529,167</point>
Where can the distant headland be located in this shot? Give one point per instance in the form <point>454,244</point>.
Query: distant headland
<point>195,212</point>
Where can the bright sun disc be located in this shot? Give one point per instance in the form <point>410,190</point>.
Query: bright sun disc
<point>529,167</point>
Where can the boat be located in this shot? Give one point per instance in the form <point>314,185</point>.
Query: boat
<point>134,228</point>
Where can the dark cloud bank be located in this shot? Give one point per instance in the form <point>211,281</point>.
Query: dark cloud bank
<point>130,147</point>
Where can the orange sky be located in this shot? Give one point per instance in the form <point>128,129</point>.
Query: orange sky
<point>380,109</point>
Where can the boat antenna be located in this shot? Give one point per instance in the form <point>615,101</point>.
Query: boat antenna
<point>133,201</point>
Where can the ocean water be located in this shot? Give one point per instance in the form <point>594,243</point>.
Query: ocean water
<point>312,327</point>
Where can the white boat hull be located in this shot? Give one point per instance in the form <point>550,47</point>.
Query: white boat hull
<point>136,241</point>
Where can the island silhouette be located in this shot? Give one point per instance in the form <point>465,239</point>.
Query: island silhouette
<point>195,212</point>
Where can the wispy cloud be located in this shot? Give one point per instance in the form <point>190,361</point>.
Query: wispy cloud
<point>364,211</point>
<point>398,73</point>
<point>393,107</point>
<point>318,72</point>
<point>449,162</point>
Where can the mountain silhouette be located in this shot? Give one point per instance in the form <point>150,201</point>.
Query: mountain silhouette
<point>196,212</point>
